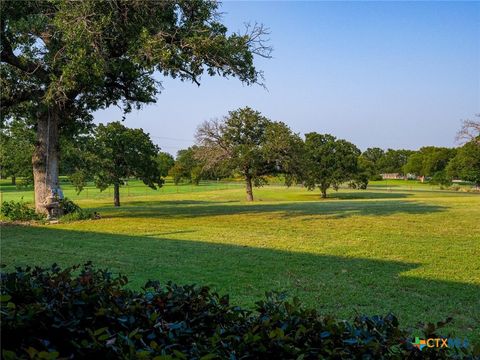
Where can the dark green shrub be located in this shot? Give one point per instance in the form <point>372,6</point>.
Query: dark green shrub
<point>19,211</point>
<point>86,313</point>
<point>68,206</point>
<point>73,212</point>
<point>79,214</point>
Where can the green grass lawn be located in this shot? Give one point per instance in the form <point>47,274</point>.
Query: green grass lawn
<point>400,246</point>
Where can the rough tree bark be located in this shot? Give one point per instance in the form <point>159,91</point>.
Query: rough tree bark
<point>116,194</point>
<point>45,158</point>
<point>248,183</point>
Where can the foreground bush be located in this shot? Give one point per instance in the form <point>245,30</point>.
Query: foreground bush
<point>86,313</point>
<point>22,211</point>
<point>19,211</point>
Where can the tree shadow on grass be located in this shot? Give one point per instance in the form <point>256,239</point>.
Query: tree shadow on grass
<point>333,284</point>
<point>335,209</point>
<point>360,194</point>
<point>177,202</point>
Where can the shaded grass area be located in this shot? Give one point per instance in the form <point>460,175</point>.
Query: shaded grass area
<point>287,211</point>
<point>414,253</point>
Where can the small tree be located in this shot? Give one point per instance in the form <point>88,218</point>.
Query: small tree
<point>466,163</point>
<point>165,162</point>
<point>328,162</point>
<point>249,144</point>
<point>187,167</point>
<point>123,153</point>
<point>78,156</point>
<point>16,149</point>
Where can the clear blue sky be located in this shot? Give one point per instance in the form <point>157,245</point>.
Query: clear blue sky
<point>387,74</point>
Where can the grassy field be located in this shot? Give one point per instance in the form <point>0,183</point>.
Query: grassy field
<point>399,246</point>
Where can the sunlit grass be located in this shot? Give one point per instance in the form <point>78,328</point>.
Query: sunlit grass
<point>406,247</point>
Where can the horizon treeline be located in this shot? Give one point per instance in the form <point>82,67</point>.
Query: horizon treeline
<point>243,144</point>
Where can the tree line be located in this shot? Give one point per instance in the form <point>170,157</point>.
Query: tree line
<point>243,144</point>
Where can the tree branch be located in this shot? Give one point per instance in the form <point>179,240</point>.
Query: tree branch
<point>20,97</point>
<point>30,67</point>
<point>470,131</point>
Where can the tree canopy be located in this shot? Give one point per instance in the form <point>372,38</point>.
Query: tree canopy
<point>470,131</point>
<point>165,162</point>
<point>93,54</point>
<point>393,160</point>
<point>249,144</point>
<point>187,167</point>
<point>122,153</point>
<point>328,161</point>
<point>466,163</point>
<point>429,161</point>
<point>16,148</point>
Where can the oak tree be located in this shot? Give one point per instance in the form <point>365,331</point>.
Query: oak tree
<point>123,153</point>
<point>251,145</point>
<point>328,162</point>
<point>61,60</point>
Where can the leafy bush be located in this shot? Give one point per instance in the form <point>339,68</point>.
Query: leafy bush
<point>19,211</point>
<point>88,313</point>
<point>79,214</point>
<point>68,206</point>
<point>73,212</point>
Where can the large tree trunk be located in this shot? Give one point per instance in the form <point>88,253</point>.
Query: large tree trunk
<point>248,183</point>
<point>116,194</point>
<point>14,180</point>
<point>323,189</point>
<point>45,159</point>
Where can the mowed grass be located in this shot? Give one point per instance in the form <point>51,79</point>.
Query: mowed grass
<point>398,247</point>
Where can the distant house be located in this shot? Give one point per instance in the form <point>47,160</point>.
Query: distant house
<point>392,176</point>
